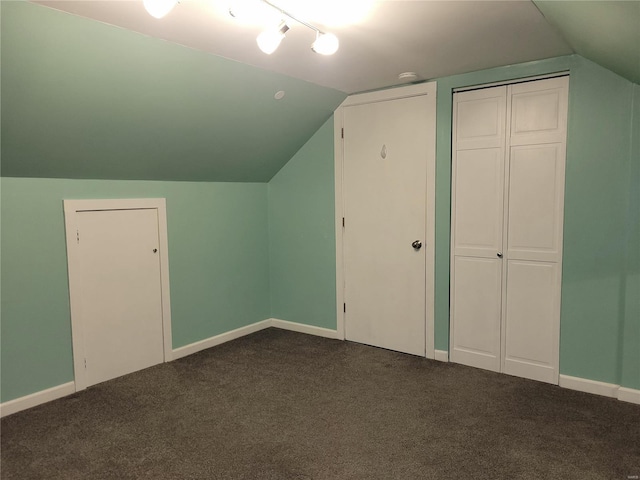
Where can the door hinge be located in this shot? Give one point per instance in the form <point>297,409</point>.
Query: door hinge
<point>342,222</point>
<point>85,363</point>
<point>344,307</point>
<point>342,132</point>
<point>78,235</point>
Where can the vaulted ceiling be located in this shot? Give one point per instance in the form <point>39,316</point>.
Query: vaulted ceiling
<point>100,89</point>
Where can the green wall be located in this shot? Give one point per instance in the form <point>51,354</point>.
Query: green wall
<point>108,103</point>
<point>218,263</point>
<point>302,235</point>
<point>594,316</point>
<point>630,365</point>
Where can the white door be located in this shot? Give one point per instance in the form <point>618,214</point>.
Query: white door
<point>386,148</point>
<point>537,132</point>
<point>120,291</point>
<point>507,213</point>
<point>477,222</point>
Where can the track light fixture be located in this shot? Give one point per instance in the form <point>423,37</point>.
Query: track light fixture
<point>325,43</point>
<point>269,40</point>
<point>159,8</point>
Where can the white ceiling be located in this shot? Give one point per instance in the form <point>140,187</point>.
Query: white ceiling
<point>431,38</point>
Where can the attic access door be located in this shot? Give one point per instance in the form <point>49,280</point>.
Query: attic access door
<point>117,264</point>
<point>388,147</point>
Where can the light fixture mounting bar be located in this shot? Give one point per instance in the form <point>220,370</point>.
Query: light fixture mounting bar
<point>292,17</point>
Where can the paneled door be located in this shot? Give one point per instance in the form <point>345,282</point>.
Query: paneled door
<point>117,261</point>
<point>507,216</point>
<point>478,206</point>
<point>537,131</point>
<point>386,147</point>
<point>121,298</point>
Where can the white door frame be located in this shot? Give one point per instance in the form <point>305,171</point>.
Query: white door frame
<point>428,89</point>
<point>71,208</point>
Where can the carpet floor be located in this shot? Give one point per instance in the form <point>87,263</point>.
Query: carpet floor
<point>283,405</point>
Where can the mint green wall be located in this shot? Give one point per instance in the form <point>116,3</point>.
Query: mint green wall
<point>108,103</point>
<point>218,263</point>
<point>594,315</point>
<point>596,206</point>
<point>302,235</point>
<point>630,364</point>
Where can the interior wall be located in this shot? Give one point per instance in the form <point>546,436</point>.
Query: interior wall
<point>302,235</point>
<point>630,365</point>
<point>218,267</point>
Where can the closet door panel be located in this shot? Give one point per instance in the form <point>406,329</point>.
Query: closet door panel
<point>539,111</point>
<point>535,202</point>
<point>532,320</point>
<point>476,310</point>
<point>480,118</point>
<point>478,200</point>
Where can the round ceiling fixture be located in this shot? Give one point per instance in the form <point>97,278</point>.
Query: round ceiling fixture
<point>408,77</point>
<point>279,95</point>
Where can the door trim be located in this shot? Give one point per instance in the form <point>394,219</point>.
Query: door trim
<point>71,208</point>
<point>428,89</point>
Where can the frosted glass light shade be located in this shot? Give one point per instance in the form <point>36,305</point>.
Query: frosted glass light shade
<point>159,8</point>
<point>325,44</point>
<point>269,40</point>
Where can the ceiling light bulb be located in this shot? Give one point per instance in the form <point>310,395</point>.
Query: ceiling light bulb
<point>269,40</point>
<point>325,44</point>
<point>159,8</point>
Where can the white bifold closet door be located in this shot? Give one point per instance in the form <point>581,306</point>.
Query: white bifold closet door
<point>507,215</point>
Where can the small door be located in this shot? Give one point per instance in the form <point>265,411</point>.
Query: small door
<point>384,181</point>
<point>120,291</point>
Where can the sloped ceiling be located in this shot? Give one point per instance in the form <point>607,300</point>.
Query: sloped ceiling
<point>433,38</point>
<point>99,89</point>
<point>82,99</point>
<point>607,33</point>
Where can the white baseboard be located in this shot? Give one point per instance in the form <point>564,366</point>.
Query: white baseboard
<point>302,328</point>
<point>441,355</point>
<point>218,339</point>
<point>38,398</point>
<point>612,390</point>
<point>629,395</point>
<point>589,386</point>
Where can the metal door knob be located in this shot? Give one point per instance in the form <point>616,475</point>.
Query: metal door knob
<point>499,254</point>
<point>417,244</point>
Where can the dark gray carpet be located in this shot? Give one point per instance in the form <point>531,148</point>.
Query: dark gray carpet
<point>282,405</point>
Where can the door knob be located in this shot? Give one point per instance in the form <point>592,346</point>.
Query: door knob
<point>499,254</point>
<point>417,244</point>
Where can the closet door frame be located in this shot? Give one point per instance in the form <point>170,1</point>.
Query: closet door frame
<point>429,89</point>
